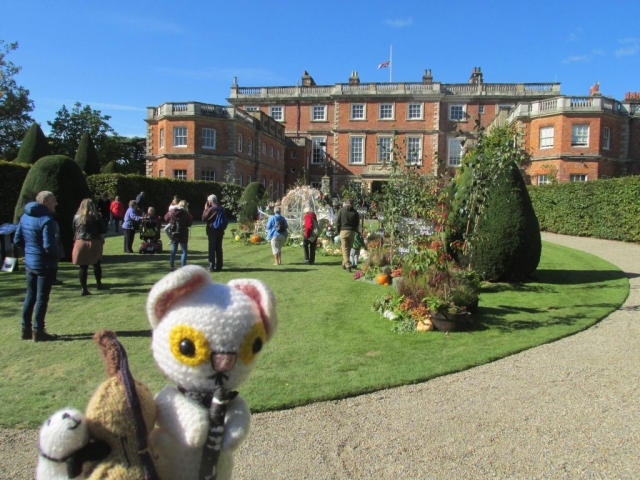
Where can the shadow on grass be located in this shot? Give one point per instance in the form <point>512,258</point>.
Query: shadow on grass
<point>89,336</point>
<point>576,277</point>
<point>494,317</point>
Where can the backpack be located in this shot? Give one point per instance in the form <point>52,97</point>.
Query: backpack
<point>221,220</point>
<point>175,231</point>
<point>281,225</point>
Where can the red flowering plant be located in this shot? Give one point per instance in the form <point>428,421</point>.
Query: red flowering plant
<point>434,277</point>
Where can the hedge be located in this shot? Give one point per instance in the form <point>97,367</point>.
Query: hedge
<point>12,175</point>
<point>608,209</point>
<point>159,192</point>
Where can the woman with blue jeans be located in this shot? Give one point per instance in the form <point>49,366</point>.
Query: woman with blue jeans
<point>180,220</point>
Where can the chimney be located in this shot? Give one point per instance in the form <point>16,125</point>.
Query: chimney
<point>595,90</point>
<point>427,78</point>
<point>354,79</point>
<point>476,76</point>
<point>307,80</point>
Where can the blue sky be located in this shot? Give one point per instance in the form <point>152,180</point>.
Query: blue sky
<point>121,57</point>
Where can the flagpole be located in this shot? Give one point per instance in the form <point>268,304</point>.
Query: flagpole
<point>390,62</point>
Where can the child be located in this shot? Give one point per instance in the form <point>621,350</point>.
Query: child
<point>354,254</point>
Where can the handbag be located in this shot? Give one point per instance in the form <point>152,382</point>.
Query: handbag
<point>315,231</point>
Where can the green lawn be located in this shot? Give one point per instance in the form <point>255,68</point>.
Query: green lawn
<point>329,343</point>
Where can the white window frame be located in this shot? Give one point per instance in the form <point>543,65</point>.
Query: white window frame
<point>480,109</point>
<point>271,151</point>
<point>180,136</point>
<point>413,155</point>
<point>580,135</point>
<point>239,179</point>
<point>209,138</point>
<point>385,155</point>
<point>318,151</point>
<point>358,111</point>
<point>294,154</point>
<point>543,179</point>
<point>161,173</point>
<point>278,154</point>
<point>264,148</point>
<point>277,112</point>
<point>318,113</point>
<point>457,112</point>
<point>161,142</point>
<point>386,111</point>
<point>208,175</point>
<point>248,179</point>
<point>606,138</point>
<point>240,142</point>
<point>179,175</point>
<point>249,146</point>
<point>251,108</point>
<point>315,185</point>
<point>577,177</point>
<point>412,114</point>
<point>546,137</point>
<point>356,150</point>
<point>454,152</point>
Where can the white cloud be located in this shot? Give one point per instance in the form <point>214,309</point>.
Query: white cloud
<point>400,23</point>
<point>577,59</point>
<point>631,46</point>
<point>575,36</point>
<point>113,106</point>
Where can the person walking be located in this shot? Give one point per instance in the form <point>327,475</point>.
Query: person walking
<point>277,227</point>
<point>130,225</point>
<point>347,223</point>
<point>141,201</point>
<point>215,235</point>
<point>117,211</point>
<point>88,227</point>
<point>104,207</point>
<point>358,244</point>
<point>180,220</point>
<point>38,235</point>
<point>310,238</point>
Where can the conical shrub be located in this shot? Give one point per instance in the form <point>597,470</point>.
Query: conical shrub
<point>34,145</point>
<point>87,155</point>
<point>62,176</point>
<point>507,243</point>
<point>249,201</point>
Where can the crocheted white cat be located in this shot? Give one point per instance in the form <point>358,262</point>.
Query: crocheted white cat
<point>205,338</point>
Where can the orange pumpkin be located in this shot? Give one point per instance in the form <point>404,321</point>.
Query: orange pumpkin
<point>383,279</point>
<point>256,238</point>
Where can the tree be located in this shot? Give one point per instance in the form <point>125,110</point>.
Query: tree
<point>133,155</point>
<point>63,177</point>
<point>68,127</point>
<point>34,145</point>
<point>494,211</point>
<point>87,155</point>
<point>251,198</point>
<point>15,105</point>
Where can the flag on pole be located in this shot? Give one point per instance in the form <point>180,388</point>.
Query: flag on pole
<point>384,64</point>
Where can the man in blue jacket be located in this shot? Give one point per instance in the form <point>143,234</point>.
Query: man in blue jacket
<point>38,235</point>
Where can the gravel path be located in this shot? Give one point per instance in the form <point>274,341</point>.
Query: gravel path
<point>569,409</point>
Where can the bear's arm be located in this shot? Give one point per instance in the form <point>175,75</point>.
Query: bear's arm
<point>184,419</point>
<point>236,424</point>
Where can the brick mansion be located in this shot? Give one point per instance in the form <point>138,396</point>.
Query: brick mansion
<point>331,134</point>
